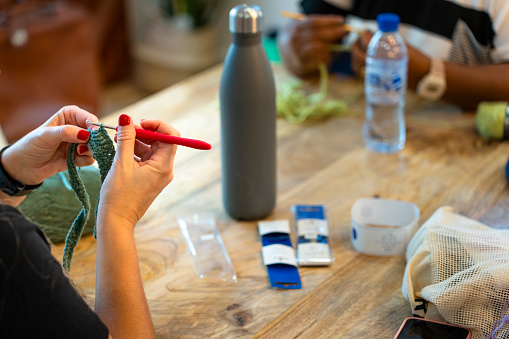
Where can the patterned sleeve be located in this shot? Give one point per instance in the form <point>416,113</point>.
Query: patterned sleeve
<point>499,12</point>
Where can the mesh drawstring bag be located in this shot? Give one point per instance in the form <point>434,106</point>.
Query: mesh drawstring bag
<point>458,271</point>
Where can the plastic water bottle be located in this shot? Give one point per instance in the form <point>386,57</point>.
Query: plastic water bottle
<point>247,98</point>
<point>385,87</point>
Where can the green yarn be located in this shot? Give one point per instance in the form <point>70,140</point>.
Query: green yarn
<point>489,119</point>
<point>103,151</point>
<point>54,206</point>
<point>340,48</point>
<point>78,225</point>
<point>296,106</point>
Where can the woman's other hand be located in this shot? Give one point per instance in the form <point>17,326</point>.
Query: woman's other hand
<point>359,48</point>
<point>306,44</point>
<point>43,152</point>
<point>141,169</point>
<point>131,184</point>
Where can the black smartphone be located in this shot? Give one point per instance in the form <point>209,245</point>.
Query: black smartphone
<point>418,328</point>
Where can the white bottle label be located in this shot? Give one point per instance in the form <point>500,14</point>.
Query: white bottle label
<point>386,76</point>
<point>386,81</point>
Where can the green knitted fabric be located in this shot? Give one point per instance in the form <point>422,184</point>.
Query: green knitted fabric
<point>103,151</point>
<point>54,206</point>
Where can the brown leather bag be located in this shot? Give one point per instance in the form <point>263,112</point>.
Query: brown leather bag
<point>48,59</point>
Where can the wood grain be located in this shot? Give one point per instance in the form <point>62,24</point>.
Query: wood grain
<point>322,162</point>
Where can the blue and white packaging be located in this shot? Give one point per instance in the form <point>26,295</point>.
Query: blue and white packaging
<point>311,228</point>
<point>278,254</point>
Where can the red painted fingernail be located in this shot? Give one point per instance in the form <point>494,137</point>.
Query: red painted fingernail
<point>124,120</point>
<point>83,134</point>
<point>82,148</point>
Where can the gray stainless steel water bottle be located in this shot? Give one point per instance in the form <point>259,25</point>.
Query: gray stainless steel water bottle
<point>248,120</point>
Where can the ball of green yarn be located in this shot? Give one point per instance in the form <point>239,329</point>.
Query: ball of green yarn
<point>489,119</point>
<point>54,205</point>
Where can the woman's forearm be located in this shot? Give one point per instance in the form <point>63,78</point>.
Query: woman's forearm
<point>469,85</point>
<point>120,299</point>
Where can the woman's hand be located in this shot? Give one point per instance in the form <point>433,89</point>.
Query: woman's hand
<point>359,48</point>
<point>306,44</point>
<point>43,152</point>
<point>128,190</point>
<point>132,185</point>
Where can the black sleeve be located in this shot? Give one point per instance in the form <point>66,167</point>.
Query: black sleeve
<point>321,7</point>
<point>36,298</point>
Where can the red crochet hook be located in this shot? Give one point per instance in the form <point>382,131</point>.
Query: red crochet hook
<point>169,139</point>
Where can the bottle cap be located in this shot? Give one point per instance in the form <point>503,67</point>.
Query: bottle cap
<point>387,22</point>
<point>246,19</point>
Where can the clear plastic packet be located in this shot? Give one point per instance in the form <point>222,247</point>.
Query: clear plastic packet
<point>311,230</point>
<point>204,242</point>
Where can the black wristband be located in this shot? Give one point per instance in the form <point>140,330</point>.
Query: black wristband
<point>11,186</point>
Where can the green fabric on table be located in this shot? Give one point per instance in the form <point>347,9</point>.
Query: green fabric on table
<point>54,205</point>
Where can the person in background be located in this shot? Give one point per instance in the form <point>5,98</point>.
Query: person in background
<point>37,300</point>
<point>458,49</point>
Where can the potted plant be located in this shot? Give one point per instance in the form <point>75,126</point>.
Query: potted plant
<point>191,14</point>
<point>173,39</point>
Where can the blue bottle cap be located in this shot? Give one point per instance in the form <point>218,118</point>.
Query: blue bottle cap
<point>387,22</point>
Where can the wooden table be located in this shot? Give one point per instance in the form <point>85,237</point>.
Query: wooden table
<point>444,163</point>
